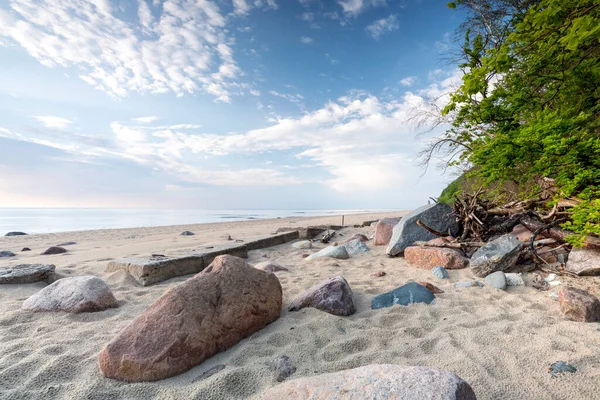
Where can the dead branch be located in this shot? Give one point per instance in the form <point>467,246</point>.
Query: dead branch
<point>436,233</point>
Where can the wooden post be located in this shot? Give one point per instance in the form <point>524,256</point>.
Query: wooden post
<point>342,220</point>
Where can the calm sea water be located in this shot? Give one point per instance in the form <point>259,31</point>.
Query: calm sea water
<point>46,220</point>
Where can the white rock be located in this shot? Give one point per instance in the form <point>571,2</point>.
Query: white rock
<point>550,278</point>
<point>514,279</point>
<point>554,283</point>
<point>305,244</point>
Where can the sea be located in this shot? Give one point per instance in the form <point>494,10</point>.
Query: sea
<point>50,220</point>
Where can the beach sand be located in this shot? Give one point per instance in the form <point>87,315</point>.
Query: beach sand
<point>501,343</point>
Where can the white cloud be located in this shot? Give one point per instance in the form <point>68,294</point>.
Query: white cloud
<point>51,121</point>
<point>408,81</point>
<point>355,7</point>
<point>145,120</point>
<point>254,92</point>
<point>382,26</point>
<point>306,39</point>
<point>293,98</point>
<point>240,7</point>
<point>185,50</point>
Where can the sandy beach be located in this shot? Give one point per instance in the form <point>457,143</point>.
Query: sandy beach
<point>500,342</point>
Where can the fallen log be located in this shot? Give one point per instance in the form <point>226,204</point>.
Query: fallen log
<point>556,233</point>
<point>327,236</point>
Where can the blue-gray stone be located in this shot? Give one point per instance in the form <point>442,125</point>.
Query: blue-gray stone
<point>560,367</point>
<point>16,234</point>
<point>497,280</point>
<point>356,246</point>
<point>498,255</point>
<point>6,253</point>
<point>468,284</point>
<point>338,252</point>
<point>410,293</point>
<point>406,232</point>
<point>187,233</point>
<point>440,272</point>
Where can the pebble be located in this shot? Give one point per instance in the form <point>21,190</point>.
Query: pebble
<point>282,367</point>
<point>514,279</point>
<point>26,249</point>
<point>497,280</point>
<point>560,367</point>
<point>378,274</point>
<point>550,277</point>
<point>440,272</point>
<point>468,284</point>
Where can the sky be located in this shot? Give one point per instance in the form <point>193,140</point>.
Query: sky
<point>223,104</point>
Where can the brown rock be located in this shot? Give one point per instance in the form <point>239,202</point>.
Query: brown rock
<point>383,231</point>
<point>432,288</point>
<point>429,257</point>
<point>378,274</point>
<point>522,233</point>
<point>54,250</point>
<point>578,305</point>
<point>206,314</point>
<point>333,296</point>
<point>584,262</point>
<point>554,255</point>
<point>270,266</point>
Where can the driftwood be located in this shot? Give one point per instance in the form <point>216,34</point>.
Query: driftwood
<point>460,245</point>
<point>327,236</point>
<point>436,233</point>
<point>556,233</point>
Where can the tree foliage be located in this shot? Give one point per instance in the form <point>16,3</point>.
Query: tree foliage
<point>529,102</point>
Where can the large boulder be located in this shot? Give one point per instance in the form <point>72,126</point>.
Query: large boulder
<point>384,229</point>
<point>74,295</point>
<point>206,314</point>
<point>498,255</point>
<point>377,381</point>
<point>27,273</point>
<point>436,216</point>
<point>338,252</point>
<point>333,296</point>
<point>429,257</point>
<point>355,246</point>
<point>578,305</point>
<point>404,295</point>
<point>584,262</point>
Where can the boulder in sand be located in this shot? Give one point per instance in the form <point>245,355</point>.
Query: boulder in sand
<point>190,322</point>
<point>333,296</point>
<point>6,254</point>
<point>376,381</point>
<point>406,232</point>
<point>187,233</point>
<point>498,255</point>
<point>578,305</point>
<point>429,257</point>
<point>54,250</point>
<point>584,262</point>
<point>338,252</point>
<point>410,293</point>
<point>27,273</point>
<point>74,295</point>
<point>16,234</point>
<point>355,246</point>
<point>383,231</point>
<point>270,266</point>
<point>303,244</point>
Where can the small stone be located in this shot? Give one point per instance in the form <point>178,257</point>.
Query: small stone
<point>334,244</point>
<point>187,233</point>
<point>283,367</point>
<point>16,234</point>
<point>304,244</point>
<point>54,250</point>
<point>539,282</point>
<point>378,274</point>
<point>468,284</point>
<point>514,279</point>
<point>305,255</point>
<point>6,253</point>
<point>26,249</point>
<point>440,272</point>
<point>432,288</point>
<point>410,293</point>
<point>270,266</point>
<point>209,372</point>
<point>67,244</point>
<point>356,246</point>
<point>333,296</point>
<point>498,255</point>
<point>497,280</point>
<point>550,277</point>
<point>578,305</point>
<point>560,367</point>
<point>338,252</point>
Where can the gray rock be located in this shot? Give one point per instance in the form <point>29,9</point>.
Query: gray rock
<point>584,262</point>
<point>410,293</point>
<point>54,250</point>
<point>560,367</point>
<point>74,295</point>
<point>440,272</point>
<point>407,232</point>
<point>497,280</point>
<point>514,279</point>
<point>67,244</point>
<point>6,253</point>
<point>498,255</point>
<point>270,266</point>
<point>377,381</point>
<point>283,368</point>
<point>338,252</point>
<point>303,244</point>
<point>26,249</point>
<point>355,246</point>
<point>16,234</point>
<point>333,296</point>
<point>187,233</point>
<point>468,284</point>
<point>27,273</point>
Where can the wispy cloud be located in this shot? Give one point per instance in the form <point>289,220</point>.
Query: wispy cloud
<point>51,121</point>
<point>355,7</point>
<point>306,39</point>
<point>145,120</point>
<point>408,81</point>
<point>382,26</point>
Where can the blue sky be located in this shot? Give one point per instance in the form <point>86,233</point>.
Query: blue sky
<point>219,104</point>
